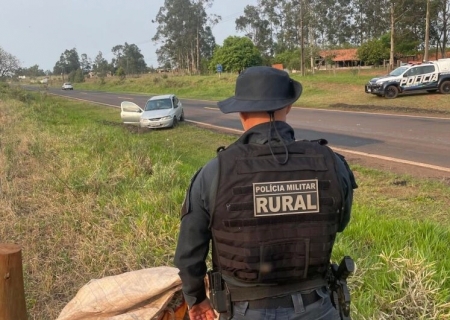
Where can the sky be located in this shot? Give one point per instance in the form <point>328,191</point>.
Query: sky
<point>39,31</point>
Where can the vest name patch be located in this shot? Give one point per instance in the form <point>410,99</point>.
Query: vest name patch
<point>285,197</point>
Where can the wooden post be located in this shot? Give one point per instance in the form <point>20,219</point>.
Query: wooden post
<point>12,294</point>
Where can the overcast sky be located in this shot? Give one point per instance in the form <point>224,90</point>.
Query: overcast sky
<point>38,31</point>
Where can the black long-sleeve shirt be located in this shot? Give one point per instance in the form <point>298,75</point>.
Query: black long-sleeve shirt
<point>195,233</point>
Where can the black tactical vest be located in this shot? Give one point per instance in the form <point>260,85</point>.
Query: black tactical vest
<point>276,223</point>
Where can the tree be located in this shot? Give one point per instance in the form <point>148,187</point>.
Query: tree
<point>184,32</point>
<point>100,66</point>
<point>373,52</point>
<point>278,26</point>
<point>440,25</point>
<point>236,54</point>
<point>129,58</point>
<point>85,63</point>
<point>76,76</point>
<point>405,13</point>
<point>9,64</point>
<point>68,62</point>
<point>32,71</point>
<point>289,59</point>
<point>121,73</point>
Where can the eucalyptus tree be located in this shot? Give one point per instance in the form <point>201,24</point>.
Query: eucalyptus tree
<point>85,63</point>
<point>100,66</point>
<point>257,28</point>
<point>184,32</point>
<point>271,25</point>
<point>441,24</point>
<point>9,64</point>
<point>33,71</point>
<point>370,20</point>
<point>401,14</point>
<point>68,61</point>
<point>129,58</point>
<point>277,26</point>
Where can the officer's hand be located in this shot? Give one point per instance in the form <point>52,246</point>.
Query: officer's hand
<point>202,311</point>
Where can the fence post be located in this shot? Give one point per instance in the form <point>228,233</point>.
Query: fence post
<point>12,294</point>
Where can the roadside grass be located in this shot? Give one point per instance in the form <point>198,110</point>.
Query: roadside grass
<point>87,197</point>
<point>326,89</point>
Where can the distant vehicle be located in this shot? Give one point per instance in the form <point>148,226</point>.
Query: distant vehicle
<point>67,86</point>
<point>431,76</point>
<point>159,112</point>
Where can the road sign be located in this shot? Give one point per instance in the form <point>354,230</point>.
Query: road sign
<point>219,68</point>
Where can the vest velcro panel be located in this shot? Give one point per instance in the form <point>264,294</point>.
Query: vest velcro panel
<point>274,247</point>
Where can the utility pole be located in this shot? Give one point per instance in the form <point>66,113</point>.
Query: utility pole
<point>302,40</point>
<point>427,32</point>
<point>391,55</point>
<point>311,38</point>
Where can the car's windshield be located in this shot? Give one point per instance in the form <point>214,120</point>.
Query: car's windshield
<point>158,104</point>
<point>398,71</point>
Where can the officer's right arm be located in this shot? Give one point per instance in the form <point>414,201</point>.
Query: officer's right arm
<point>348,185</point>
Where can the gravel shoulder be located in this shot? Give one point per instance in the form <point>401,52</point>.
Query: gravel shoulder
<point>397,168</point>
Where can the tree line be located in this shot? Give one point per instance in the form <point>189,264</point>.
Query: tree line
<point>128,59</point>
<point>291,32</point>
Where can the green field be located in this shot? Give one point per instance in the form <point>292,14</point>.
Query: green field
<point>341,89</point>
<point>87,197</point>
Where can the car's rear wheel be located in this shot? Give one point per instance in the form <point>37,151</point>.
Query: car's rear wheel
<point>182,116</point>
<point>391,92</point>
<point>444,87</point>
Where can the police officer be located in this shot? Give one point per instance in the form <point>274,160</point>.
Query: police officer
<point>270,206</point>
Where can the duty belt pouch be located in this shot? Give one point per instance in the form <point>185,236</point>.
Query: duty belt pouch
<point>219,295</point>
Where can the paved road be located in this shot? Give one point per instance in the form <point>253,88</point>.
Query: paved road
<point>422,141</point>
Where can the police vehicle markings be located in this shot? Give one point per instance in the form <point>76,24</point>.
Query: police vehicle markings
<point>420,80</point>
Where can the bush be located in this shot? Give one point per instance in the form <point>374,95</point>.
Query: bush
<point>121,73</point>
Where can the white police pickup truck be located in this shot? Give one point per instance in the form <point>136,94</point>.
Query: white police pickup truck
<point>431,76</point>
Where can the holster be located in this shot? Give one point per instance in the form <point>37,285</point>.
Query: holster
<point>219,294</point>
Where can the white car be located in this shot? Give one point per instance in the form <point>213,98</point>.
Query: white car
<point>159,112</point>
<point>67,86</point>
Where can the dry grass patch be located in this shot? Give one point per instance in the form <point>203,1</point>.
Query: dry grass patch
<point>414,290</point>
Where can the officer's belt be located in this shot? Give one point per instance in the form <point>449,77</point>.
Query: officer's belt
<point>282,302</point>
<point>261,292</point>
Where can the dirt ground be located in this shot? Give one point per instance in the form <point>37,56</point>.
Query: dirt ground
<point>398,168</point>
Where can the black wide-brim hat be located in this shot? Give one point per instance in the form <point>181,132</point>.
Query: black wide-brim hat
<point>262,89</point>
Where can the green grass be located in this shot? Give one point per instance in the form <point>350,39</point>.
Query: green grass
<point>341,89</point>
<point>87,197</point>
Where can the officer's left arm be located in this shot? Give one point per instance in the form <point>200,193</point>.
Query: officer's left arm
<point>348,184</point>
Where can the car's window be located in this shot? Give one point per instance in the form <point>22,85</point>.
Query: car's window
<point>158,104</point>
<point>129,108</point>
<point>411,72</point>
<point>426,69</point>
<point>398,71</point>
